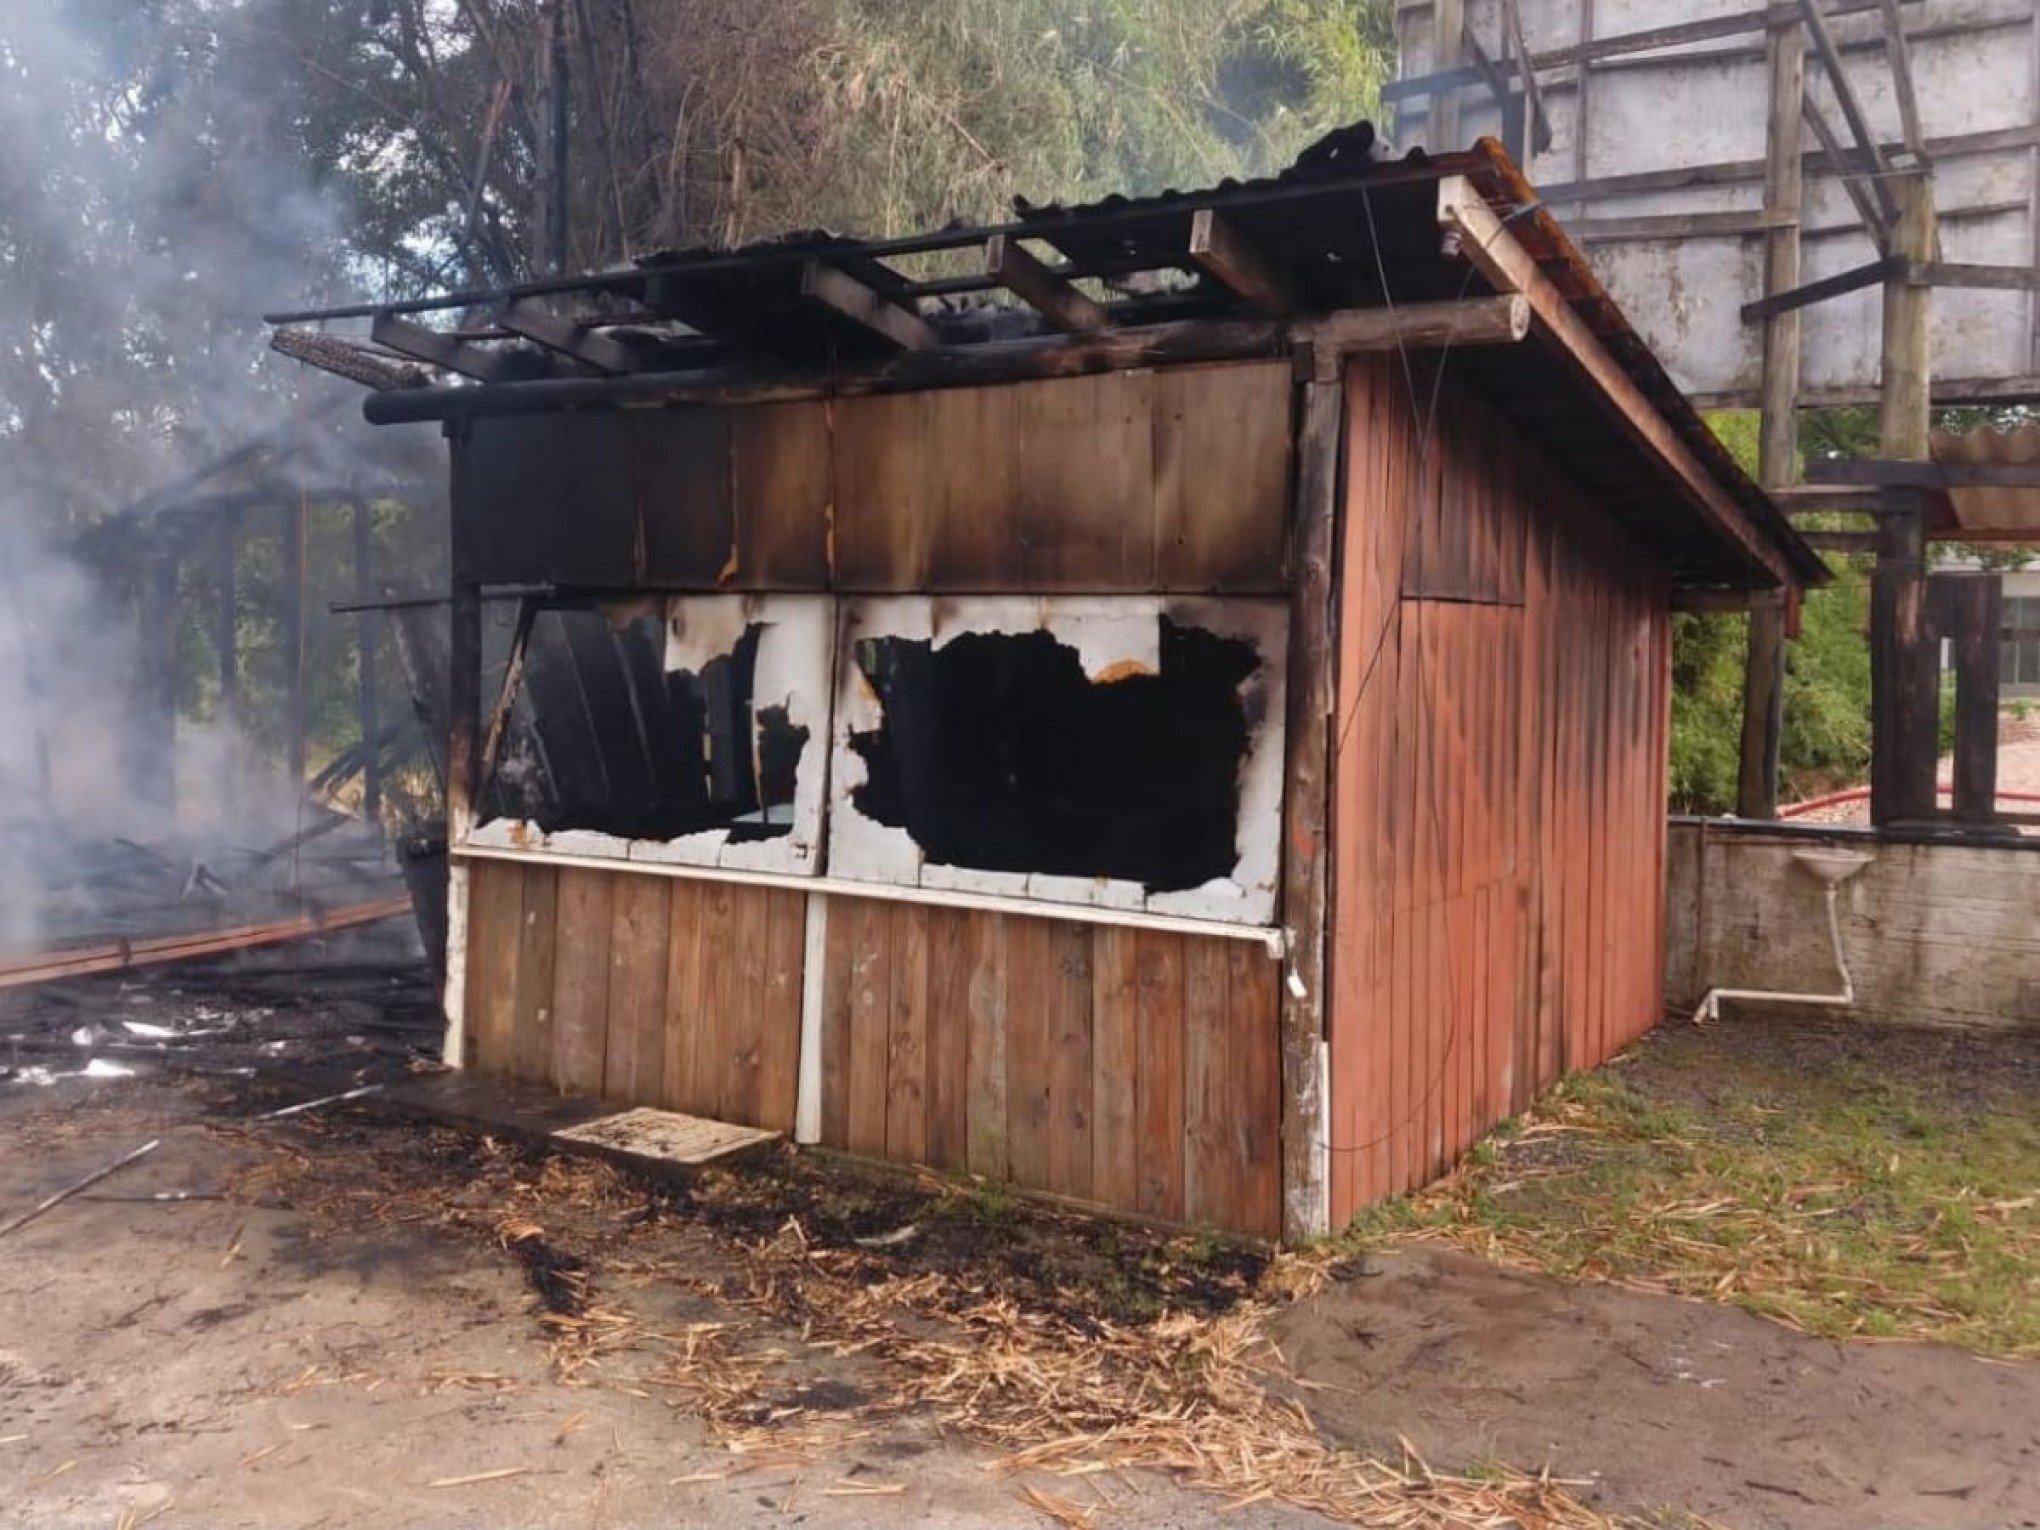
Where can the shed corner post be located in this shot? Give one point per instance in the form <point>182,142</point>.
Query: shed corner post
<point>1306,803</point>
<point>463,757</point>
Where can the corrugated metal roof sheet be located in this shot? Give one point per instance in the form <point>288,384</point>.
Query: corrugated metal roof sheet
<point>1986,514</point>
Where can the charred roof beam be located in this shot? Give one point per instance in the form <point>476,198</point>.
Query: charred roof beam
<point>898,326</point>
<point>1046,291</point>
<point>438,348</point>
<point>536,322</point>
<point>1225,255</point>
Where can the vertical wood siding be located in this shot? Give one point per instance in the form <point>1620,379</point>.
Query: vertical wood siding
<point>644,990</point>
<point>1498,814</point>
<point>1137,1069</point>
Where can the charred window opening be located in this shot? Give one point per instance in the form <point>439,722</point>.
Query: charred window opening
<point>998,752</point>
<point>602,736</point>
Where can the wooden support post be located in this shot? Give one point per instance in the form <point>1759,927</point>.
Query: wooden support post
<point>463,764</point>
<point>1904,667</point>
<point>1763,722</point>
<point>152,762</point>
<point>1968,609</point>
<point>1306,812</point>
<point>291,631</point>
<point>1441,120</point>
<point>365,665</point>
<point>227,614</point>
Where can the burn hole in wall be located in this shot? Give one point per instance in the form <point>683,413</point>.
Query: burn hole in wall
<point>998,752</point>
<point>602,736</point>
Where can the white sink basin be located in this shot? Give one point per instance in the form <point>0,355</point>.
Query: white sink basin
<point>1832,866</point>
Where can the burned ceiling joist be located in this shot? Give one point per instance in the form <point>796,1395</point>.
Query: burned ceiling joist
<point>1341,231</point>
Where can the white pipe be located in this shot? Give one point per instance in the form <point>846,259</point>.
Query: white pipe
<point>1710,1007</point>
<point>807,1100</point>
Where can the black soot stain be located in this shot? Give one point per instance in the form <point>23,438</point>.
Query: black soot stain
<point>998,752</point>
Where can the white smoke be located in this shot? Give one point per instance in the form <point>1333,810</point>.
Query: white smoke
<point>154,196</point>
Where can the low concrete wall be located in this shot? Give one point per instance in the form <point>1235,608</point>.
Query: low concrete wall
<point>1935,933</point>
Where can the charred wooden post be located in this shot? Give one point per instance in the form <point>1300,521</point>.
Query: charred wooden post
<point>1904,714</point>
<point>365,664</point>
<point>294,520</point>
<point>463,771</point>
<point>1967,609</point>
<point>151,766</point>
<point>1306,807</point>
<point>1763,722</point>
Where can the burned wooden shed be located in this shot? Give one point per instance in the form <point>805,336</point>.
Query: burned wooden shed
<point>1162,703</point>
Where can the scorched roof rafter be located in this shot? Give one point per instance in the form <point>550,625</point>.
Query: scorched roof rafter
<point>1239,269</point>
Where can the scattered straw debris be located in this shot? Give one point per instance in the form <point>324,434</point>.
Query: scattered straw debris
<point>805,1345</point>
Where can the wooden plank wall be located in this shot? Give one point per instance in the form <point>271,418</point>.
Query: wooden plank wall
<point>1139,1071</point>
<point>1135,1069</point>
<point>1498,813</point>
<point>645,990</point>
<point>1173,481</point>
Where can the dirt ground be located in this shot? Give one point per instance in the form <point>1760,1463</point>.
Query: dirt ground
<point>222,1363</point>
<point>363,1322</point>
<point>1659,1400</point>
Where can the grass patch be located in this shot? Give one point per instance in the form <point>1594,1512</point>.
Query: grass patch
<point>1807,1174</point>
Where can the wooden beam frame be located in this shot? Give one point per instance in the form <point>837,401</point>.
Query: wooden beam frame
<point>437,347</point>
<point>1845,98</point>
<point>1881,473</point>
<point>1477,321</point>
<point>1496,253</point>
<point>1851,280</point>
<point>1867,206</point>
<point>837,290</point>
<point>1219,250</point>
<point>530,318</point>
<point>1902,77</point>
<point>1051,295</point>
<point>1946,273</point>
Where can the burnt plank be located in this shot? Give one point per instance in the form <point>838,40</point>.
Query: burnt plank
<point>1210,1189</point>
<point>778,1010</point>
<point>634,1062</point>
<point>869,929</point>
<point>949,990</point>
<point>1115,1067</point>
<point>1221,488</point>
<point>531,1045</point>
<point>838,962</point>
<point>581,978</point>
<point>679,476</point>
<point>678,1077</point>
<point>782,483</point>
<point>1158,1085</point>
<point>906,1063</point>
<point>1254,1008</point>
<point>1030,989</point>
<point>1070,1058</point>
<point>985,1108</point>
<point>494,922</point>
<point>749,1006</point>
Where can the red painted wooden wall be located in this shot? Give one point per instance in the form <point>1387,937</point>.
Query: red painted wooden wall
<point>1498,811</point>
